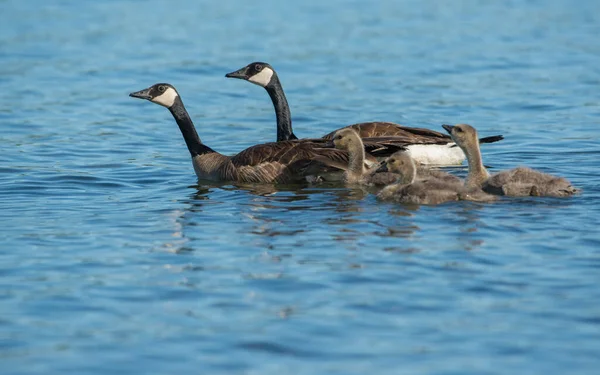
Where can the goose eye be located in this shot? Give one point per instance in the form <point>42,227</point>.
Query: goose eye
<point>258,67</point>
<point>161,88</point>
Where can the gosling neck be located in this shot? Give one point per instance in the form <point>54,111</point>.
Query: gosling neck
<point>282,110</point>
<point>408,175</point>
<point>356,158</point>
<point>186,126</point>
<point>477,172</point>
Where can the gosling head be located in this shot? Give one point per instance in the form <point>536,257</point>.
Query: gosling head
<point>259,73</point>
<point>401,163</point>
<point>462,134</point>
<point>345,139</point>
<point>160,93</point>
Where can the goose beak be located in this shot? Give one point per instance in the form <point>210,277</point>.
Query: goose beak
<point>448,128</point>
<point>239,74</point>
<point>382,167</point>
<point>143,94</point>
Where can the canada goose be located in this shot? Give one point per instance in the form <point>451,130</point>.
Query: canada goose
<point>425,146</point>
<point>521,181</point>
<point>279,162</point>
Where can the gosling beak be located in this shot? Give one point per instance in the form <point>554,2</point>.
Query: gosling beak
<point>448,128</point>
<point>382,167</point>
<point>142,94</point>
<point>239,74</point>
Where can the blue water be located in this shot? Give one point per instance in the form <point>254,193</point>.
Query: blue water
<point>114,260</point>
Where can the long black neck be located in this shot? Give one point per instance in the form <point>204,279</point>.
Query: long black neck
<point>282,110</point>
<point>192,140</point>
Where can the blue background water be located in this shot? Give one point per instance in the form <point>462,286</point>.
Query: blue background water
<point>113,259</point>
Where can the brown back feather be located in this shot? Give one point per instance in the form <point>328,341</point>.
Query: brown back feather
<point>389,129</point>
<point>275,162</point>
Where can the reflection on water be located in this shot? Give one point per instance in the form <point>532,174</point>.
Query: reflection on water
<point>346,215</point>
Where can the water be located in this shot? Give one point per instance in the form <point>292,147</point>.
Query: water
<point>114,260</point>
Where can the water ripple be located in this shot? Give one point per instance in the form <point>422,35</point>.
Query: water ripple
<point>115,259</point>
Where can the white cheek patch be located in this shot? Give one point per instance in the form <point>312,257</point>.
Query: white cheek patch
<point>167,98</point>
<point>262,78</point>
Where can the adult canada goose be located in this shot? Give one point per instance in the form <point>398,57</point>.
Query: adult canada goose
<point>425,146</point>
<point>279,162</point>
<point>521,181</point>
<point>432,187</point>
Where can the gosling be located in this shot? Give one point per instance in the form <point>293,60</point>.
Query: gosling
<point>517,182</point>
<point>430,188</point>
<point>356,172</point>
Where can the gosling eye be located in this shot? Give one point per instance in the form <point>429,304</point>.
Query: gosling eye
<point>338,137</point>
<point>459,130</point>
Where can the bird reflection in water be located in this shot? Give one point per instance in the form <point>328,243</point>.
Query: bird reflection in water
<point>350,213</point>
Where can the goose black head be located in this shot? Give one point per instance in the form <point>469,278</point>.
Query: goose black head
<point>259,73</point>
<point>160,93</point>
<point>462,134</point>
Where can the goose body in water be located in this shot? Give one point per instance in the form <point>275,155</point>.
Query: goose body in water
<point>521,181</point>
<point>277,162</point>
<point>425,146</point>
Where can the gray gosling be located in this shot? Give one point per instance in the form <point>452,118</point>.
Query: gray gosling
<point>357,172</point>
<point>401,163</point>
<point>430,188</point>
<point>517,182</point>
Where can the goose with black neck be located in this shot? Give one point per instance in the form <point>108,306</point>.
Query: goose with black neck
<point>276,162</point>
<point>424,145</point>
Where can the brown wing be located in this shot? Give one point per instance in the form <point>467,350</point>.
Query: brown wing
<point>389,129</point>
<point>286,152</point>
<point>286,161</point>
<point>269,172</point>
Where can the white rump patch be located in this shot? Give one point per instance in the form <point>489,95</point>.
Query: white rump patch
<point>437,154</point>
<point>262,78</point>
<point>167,98</point>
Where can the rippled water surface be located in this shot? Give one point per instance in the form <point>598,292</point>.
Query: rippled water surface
<point>113,258</point>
